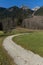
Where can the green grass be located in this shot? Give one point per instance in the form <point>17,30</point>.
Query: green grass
<point>5,59</point>
<point>32,41</point>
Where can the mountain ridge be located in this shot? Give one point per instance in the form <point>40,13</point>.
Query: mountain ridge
<point>14,11</point>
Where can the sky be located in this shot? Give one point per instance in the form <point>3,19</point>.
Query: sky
<point>29,3</point>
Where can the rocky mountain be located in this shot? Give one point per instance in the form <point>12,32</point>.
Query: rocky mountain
<point>15,12</point>
<point>36,8</point>
<point>39,12</point>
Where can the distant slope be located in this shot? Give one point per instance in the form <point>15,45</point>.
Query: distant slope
<point>39,12</point>
<point>2,10</point>
<point>15,12</point>
<point>19,12</point>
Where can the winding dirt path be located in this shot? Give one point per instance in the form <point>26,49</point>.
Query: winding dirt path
<point>19,54</point>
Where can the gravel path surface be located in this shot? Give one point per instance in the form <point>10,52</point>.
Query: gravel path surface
<point>20,55</point>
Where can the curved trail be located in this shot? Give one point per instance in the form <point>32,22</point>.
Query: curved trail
<point>19,54</point>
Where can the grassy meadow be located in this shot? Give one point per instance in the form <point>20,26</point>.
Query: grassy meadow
<point>5,59</point>
<point>32,41</point>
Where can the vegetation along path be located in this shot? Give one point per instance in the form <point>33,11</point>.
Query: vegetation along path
<point>19,54</point>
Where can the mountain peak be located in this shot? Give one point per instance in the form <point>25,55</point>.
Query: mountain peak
<point>24,7</point>
<point>36,8</point>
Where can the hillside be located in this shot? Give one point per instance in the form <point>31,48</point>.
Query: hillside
<point>39,12</point>
<point>2,10</point>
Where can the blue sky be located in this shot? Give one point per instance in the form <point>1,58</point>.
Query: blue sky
<point>29,3</point>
